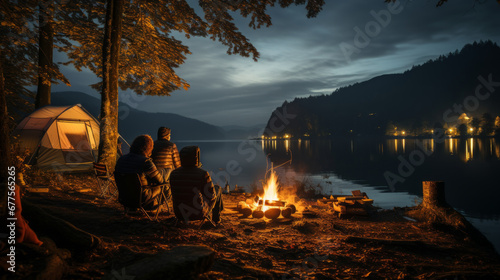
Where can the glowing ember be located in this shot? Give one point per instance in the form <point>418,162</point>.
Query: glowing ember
<point>270,190</point>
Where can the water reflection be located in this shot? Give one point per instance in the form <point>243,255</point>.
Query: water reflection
<point>468,166</point>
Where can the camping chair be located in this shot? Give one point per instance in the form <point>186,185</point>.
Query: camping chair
<point>181,220</point>
<point>130,191</point>
<point>202,221</point>
<point>105,181</point>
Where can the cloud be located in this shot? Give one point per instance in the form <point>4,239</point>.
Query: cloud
<point>302,57</point>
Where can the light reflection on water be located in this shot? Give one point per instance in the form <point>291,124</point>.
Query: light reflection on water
<point>468,167</point>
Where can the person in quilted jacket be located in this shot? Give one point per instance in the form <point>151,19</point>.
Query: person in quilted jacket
<point>165,154</point>
<point>194,196</point>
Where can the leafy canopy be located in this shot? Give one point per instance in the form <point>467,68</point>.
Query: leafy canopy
<point>149,51</point>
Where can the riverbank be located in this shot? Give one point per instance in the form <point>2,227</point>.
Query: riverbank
<point>319,246</point>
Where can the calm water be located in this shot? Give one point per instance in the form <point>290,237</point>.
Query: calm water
<point>470,169</point>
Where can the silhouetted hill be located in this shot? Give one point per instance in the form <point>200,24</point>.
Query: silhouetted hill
<point>133,122</point>
<point>415,100</point>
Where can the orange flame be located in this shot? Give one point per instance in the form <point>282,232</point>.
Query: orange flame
<point>270,190</point>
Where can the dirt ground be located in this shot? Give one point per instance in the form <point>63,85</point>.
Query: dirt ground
<point>319,246</point>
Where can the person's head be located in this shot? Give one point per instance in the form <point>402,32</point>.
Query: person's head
<point>142,145</point>
<point>164,133</point>
<point>190,156</point>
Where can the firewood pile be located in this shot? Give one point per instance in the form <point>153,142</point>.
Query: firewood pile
<point>348,205</point>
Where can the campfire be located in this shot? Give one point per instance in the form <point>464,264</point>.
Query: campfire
<point>270,205</point>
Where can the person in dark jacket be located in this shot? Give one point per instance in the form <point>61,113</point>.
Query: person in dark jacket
<point>194,196</point>
<point>138,161</point>
<point>165,154</point>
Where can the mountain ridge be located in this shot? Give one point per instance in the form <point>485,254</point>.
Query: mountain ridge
<point>133,122</point>
<point>414,100</point>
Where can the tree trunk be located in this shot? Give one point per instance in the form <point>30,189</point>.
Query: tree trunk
<point>45,53</point>
<point>109,94</point>
<point>4,140</point>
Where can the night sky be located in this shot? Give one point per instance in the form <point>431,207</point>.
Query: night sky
<point>302,57</point>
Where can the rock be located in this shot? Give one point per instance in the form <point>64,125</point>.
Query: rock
<point>286,212</point>
<point>273,213</point>
<point>181,262</point>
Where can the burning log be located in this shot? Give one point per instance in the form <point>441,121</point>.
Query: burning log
<point>294,209</point>
<point>272,213</point>
<point>286,212</point>
<point>275,203</point>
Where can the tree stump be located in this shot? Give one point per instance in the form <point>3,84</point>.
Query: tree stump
<point>433,192</point>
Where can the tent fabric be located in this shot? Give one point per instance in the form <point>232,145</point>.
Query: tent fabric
<point>60,138</point>
<point>37,123</point>
<point>73,136</point>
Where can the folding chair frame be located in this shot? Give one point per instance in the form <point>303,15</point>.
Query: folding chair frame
<point>202,221</point>
<point>104,181</point>
<point>158,199</point>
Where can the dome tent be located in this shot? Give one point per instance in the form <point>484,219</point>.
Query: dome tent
<point>60,138</point>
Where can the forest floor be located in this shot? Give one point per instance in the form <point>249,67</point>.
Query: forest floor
<point>384,245</point>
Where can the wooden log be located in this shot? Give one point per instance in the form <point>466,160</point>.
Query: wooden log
<point>276,203</point>
<point>339,207</point>
<point>181,262</point>
<point>294,209</point>
<point>272,213</point>
<point>286,212</point>
<point>433,194</point>
<point>63,233</point>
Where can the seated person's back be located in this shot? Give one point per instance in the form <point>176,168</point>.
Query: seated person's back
<point>137,161</point>
<point>139,164</point>
<point>193,194</point>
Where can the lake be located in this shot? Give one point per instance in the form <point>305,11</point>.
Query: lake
<point>390,171</point>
